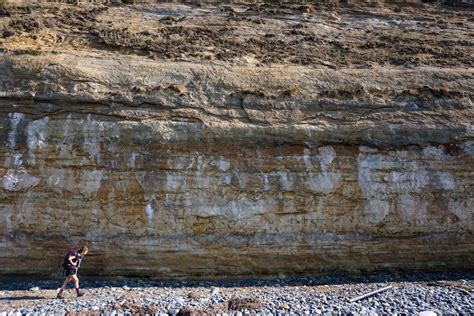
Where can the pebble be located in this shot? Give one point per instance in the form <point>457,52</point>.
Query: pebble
<point>214,291</point>
<point>324,295</point>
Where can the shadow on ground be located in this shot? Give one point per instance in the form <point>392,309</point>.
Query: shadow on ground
<point>21,298</point>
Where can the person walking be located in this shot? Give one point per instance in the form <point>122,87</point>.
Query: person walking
<point>71,264</point>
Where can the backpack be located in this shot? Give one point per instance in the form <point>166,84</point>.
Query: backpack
<point>72,252</point>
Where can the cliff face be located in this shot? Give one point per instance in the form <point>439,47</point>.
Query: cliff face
<point>175,168</point>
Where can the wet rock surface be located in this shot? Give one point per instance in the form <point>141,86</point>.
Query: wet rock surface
<point>410,294</point>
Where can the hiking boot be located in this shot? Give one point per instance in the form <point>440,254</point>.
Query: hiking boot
<point>80,293</point>
<point>60,295</point>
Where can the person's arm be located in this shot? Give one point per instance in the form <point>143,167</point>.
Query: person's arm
<point>78,260</point>
<point>70,259</point>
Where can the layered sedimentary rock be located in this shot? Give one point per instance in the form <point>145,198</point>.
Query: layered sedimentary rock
<point>251,183</point>
<point>178,168</point>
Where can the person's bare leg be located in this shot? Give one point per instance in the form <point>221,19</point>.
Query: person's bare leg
<point>66,281</point>
<point>64,286</point>
<point>75,279</point>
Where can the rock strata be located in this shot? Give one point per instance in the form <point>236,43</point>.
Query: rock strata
<point>188,168</point>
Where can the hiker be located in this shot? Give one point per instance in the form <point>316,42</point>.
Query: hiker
<point>71,264</point>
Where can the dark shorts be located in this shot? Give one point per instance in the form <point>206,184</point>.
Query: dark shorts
<point>71,272</point>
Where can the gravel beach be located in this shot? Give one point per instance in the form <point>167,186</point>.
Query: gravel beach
<point>412,294</point>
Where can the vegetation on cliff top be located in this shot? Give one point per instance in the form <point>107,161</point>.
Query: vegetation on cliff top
<point>318,34</point>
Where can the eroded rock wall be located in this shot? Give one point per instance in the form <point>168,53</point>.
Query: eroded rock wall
<point>180,169</point>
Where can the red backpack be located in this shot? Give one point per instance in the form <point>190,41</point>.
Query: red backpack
<point>72,252</point>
